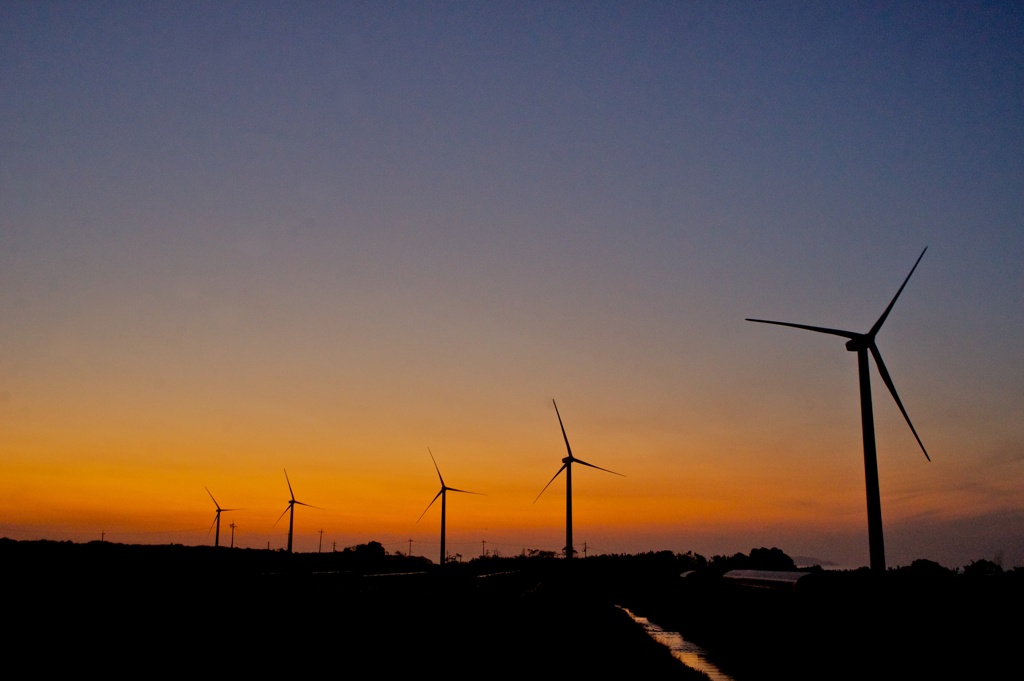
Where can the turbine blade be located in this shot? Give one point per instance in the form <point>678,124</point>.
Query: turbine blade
<point>282,515</point>
<point>551,481</point>
<point>881,320</point>
<point>892,389</point>
<point>435,466</point>
<point>301,503</point>
<point>564,436</point>
<point>464,491</point>
<point>820,329</point>
<point>584,463</point>
<point>212,524</point>
<point>211,496</point>
<point>289,485</point>
<point>430,504</point>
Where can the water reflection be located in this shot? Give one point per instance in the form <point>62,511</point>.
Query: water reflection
<point>688,653</point>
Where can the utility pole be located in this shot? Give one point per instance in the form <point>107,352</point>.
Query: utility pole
<point>320,548</point>
<point>483,548</point>
<point>232,526</point>
<point>410,547</point>
<point>584,549</point>
<point>334,546</point>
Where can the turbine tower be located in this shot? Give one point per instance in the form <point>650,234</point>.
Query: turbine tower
<point>216,519</point>
<point>862,344</point>
<point>567,463</point>
<point>443,493</point>
<point>290,511</point>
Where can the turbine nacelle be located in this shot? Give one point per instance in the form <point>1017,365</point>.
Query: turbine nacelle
<point>859,343</point>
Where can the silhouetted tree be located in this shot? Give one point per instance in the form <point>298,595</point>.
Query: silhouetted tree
<point>539,553</point>
<point>722,564</point>
<point>924,569</point>
<point>770,559</point>
<point>691,561</point>
<point>982,568</point>
<point>367,555</point>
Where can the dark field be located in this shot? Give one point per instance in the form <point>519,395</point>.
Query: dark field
<point>185,609</point>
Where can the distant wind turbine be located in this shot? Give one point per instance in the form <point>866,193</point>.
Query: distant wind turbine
<point>291,511</point>
<point>567,463</point>
<point>216,519</point>
<point>443,493</point>
<point>862,344</point>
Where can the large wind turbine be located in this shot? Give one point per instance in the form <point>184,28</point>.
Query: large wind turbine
<point>567,463</point>
<point>216,520</point>
<point>862,344</point>
<point>443,493</point>
<point>290,511</point>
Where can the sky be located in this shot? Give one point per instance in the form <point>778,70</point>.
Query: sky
<point>243,238</point>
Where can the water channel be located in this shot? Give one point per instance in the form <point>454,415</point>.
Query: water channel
<point>692,655</point>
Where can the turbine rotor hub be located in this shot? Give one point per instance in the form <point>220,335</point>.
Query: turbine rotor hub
<point>859,343</point>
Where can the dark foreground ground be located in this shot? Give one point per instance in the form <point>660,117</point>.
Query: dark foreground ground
<point>906,624</point>
<point>186,612</point>
<point>119,609</point>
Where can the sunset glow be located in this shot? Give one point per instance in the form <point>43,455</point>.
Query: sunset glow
<point>239,239</point>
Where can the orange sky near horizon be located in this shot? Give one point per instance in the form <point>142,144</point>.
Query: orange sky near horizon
<point>670,492</point>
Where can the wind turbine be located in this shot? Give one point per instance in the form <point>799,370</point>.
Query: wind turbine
<point>216,520</point>
<point>567,463</point>
<point>443,493</point>
<point>290,511</point>
<point>862,344</point>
